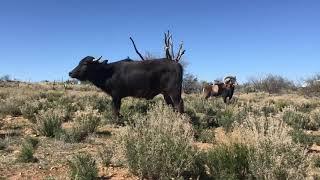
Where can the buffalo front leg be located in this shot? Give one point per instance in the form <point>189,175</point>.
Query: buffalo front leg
<point>168,100</point>
<point>116,103</point>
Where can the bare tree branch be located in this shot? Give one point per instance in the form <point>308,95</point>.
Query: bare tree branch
<point>180,52</point>
<point>134,45</point>
<point>171,44</point>
<point>167,45</point>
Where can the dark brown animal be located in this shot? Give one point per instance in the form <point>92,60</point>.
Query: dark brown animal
<point>224,89</point>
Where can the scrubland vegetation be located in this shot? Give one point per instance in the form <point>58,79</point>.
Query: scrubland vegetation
<point>57,132</point>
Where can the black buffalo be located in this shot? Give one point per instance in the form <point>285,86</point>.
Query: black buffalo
<point>142,79</point>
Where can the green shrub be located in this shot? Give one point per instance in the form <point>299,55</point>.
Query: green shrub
<point>204,135</point>
<point>281,104</point>
<point>306,107</point>
<point>74,135</point>
<point>11,106</point>
<point>86,122</point>
<point>158,145</point>
<point>226,119</point>
<point>49,122</point>
<point>315,118</point>
<point>297,119</point>
<point>3,144</point>
<point>51,96</point>
<point>301,137</point>
<point>269,109</point>
<point>30,109</point>
<point>106,155</point>
<point>229,162</point>
<point>26,153</point>
<point>83,167</point>
<point>317,162</point>
<point>275,155</point>
<point>133,106</point>
<point>278,162</point>
<point>32,141</point>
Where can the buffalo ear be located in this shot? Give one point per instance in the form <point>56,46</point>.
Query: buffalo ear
<point>89,58</point>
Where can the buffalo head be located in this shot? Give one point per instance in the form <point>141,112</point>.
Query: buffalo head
<point>86,65</point>
<point>230,80</point>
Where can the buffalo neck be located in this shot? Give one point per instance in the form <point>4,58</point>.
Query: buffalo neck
<point>99,75</point>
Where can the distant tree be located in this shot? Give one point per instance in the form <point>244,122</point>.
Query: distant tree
<point>311,86</point>
<point>191,84</point>
<point>271,84</point>
<point>5,78</point>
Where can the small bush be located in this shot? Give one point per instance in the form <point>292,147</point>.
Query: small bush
<point>275,155</point>
<point>49,122</point>
<point>205,135</point>
<point>229,162</point>
<point>86,122</point>
<point>3,144</point>
<point>30,109</point>
<point>11,106</point>
<point>32,141</point>
<point>158,145</point>
<point>74,135</point>
<point>281,104</point>
<point>83,167</point>
<point>298,120</point>
<point>301,137</point>
<point>317,162</point>
<point>106,155</point>
<point>315,118</point>
<point>226,119</point>
<point>26,153</point>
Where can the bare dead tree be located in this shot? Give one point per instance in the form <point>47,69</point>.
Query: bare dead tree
<point>168,48</point>
<point>134,45</point>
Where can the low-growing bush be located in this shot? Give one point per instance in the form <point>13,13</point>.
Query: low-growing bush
<point>275,155</point>
<point>32,141</point>
<point>86,122</point>
<point>83,167</point>
<point>298,120</point>
<point>74,135</point>
<point>3,144</point>
<point>229,162</point>
<point>26,153</point>
<point>225,119</point>
<point>11,106</point>
<point>298,136</point>
<point>205,135</point>
<point>49,122</point>
<point>106,155</point>
<point>316,162</point>
<point>30,109</point>
<point>158,145</point>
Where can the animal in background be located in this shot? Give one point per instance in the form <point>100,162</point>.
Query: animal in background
<point>218,88</point>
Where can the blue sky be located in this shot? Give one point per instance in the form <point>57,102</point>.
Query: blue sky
<point>44,40</point>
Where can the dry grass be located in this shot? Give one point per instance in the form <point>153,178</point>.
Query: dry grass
<point>255,121</point>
